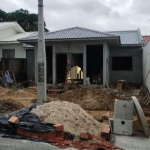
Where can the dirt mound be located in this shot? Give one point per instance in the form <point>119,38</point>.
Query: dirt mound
<point>13,99</point>
<point>10,105</point>
<point>72,116</point>
<point>137,126</point>
<point>93,99</point>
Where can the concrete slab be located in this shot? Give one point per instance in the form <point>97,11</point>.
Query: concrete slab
<point>137,142</point>
<point>15,144</point>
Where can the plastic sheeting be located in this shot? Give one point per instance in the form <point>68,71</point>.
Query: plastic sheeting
<point>27,121</point>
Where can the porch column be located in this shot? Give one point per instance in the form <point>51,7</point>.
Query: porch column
<point>35,61</point>
<point>84,65</point>
<point>54,65</point>
<point>105,64</point>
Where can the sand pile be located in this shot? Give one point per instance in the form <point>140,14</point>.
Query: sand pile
<point>72,116</point>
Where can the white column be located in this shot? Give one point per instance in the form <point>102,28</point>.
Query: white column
<point>84,65</point>
<point>54,64</point>
<point>105,64</point>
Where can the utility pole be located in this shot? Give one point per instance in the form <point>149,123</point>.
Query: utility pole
<point>41,56</point>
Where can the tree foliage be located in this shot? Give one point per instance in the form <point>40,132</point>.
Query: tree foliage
<point>29,22</point>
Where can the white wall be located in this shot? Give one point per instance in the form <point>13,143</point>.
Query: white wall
<point>7,32</point>
<point>146,65</point>
<point>20,52</point>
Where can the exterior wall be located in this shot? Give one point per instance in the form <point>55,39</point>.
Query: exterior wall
<point>133,76</point>
<point>146,65</point>
<point>6,32</point>
<point>20,52</point>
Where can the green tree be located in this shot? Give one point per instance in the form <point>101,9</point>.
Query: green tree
<point>3,15</point>
<point>29,22</point>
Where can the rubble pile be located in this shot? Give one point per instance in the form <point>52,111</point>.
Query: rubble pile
<point>93,99</point>
<point>72,116</point>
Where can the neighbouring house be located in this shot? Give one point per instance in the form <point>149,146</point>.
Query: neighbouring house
<point>102,56</point>
<point>12,52</point>
<point>146,61</point>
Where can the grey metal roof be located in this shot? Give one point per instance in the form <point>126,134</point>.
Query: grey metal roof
<point>132,37</point>
<point>15,37</point>
<point>73,33</point>
<point>128,37</point>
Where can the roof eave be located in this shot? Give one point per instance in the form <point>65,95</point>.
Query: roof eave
<point>131,45</point>
<point>9,42</point>
<point>72,39</point>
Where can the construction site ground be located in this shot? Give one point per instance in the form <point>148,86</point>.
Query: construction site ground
<point>96,100</point>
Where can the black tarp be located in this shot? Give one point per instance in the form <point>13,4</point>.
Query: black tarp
<point>27,121</point>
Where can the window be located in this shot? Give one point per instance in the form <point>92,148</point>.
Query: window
<point>8,53</point>
<point>121,63</point>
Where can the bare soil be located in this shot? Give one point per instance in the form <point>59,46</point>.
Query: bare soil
<point>14,99</point>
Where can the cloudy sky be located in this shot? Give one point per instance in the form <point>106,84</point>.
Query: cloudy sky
<point>102,15</point>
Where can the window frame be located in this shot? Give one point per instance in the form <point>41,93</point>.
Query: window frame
<point>8,53</point>
<point>121,57</point>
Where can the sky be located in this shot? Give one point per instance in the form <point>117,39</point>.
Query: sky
<point>101,15</point>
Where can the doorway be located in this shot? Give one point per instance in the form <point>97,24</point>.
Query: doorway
<point>95,63</point>
<point>61,63</point>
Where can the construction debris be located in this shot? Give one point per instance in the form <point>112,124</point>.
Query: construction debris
<point>28,126</point>
<point>72,116</point>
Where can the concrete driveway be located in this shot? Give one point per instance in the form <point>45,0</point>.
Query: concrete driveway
<point>15,144</point>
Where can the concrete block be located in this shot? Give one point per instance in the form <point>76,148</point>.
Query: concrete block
<point>123,109</point>
<point>122,126</point>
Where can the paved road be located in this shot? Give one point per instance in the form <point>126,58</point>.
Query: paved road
<point>15,144</point>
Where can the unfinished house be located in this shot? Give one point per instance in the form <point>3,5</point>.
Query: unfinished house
<point>100,57</point>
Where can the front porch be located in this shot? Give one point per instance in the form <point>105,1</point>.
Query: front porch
<point>90,58</point>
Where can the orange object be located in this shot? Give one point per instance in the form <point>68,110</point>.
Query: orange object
<point>20,131</point>
<point>44,135</point>
<point>27,133</point>
<point>35,135</point>
<point>60,134</point>
<point>84,136</point>
<point>51,135</point>
<point>59,127</point>
<point>13,119</point>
